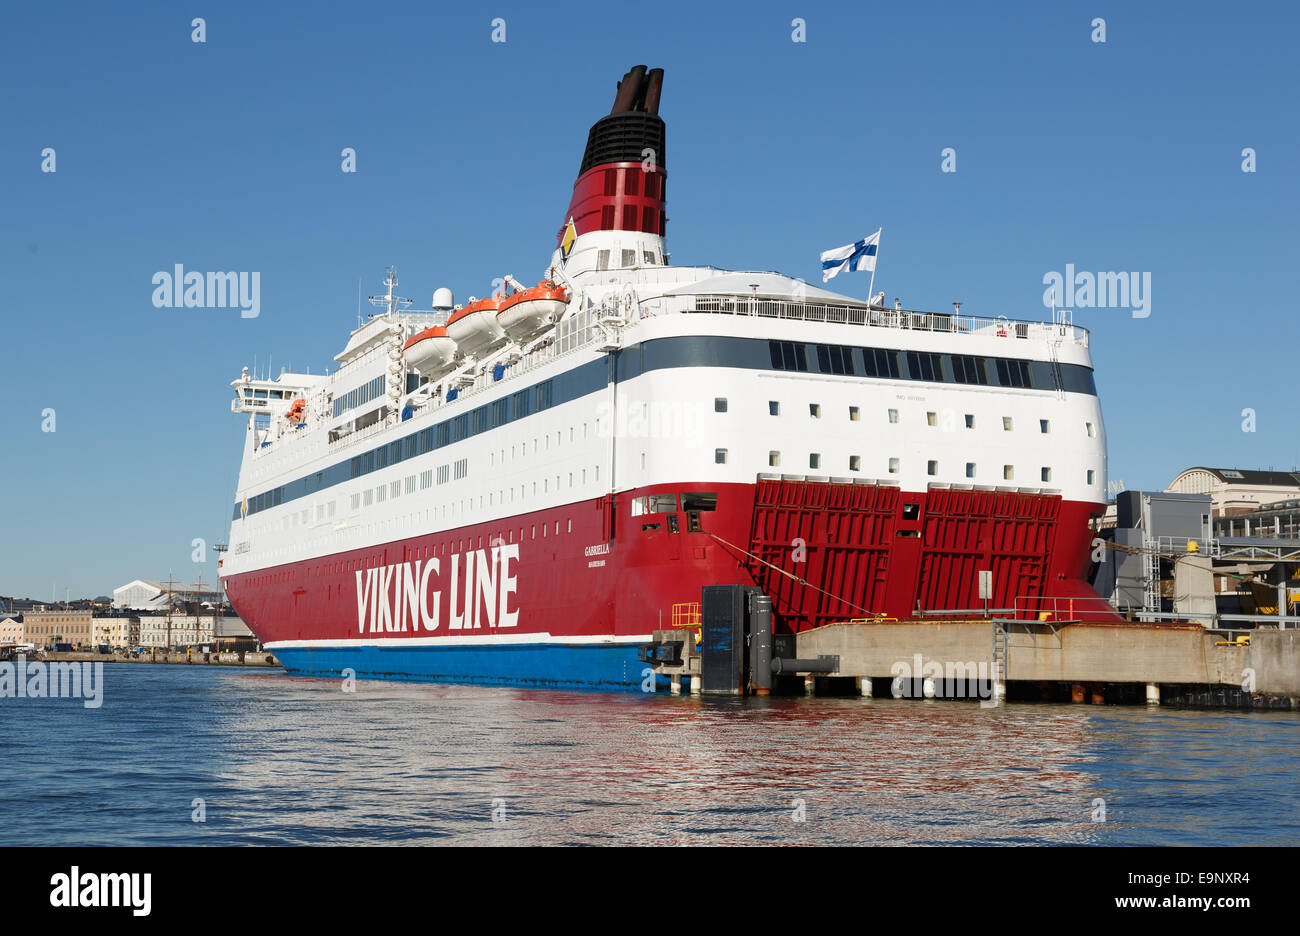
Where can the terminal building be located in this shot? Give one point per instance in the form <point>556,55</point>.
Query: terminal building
<point>144,595</point>
<point>1219,545</point>
<point>1236,491</point>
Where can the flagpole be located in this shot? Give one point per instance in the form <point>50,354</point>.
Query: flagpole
<point>871,290</point>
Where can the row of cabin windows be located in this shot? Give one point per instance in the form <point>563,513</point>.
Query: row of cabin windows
<point>931,466</point>
<point>931,417</point>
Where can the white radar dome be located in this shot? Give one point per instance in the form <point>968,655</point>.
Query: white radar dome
<point>442,298</point>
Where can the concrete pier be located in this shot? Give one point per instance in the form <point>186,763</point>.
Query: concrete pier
<point>1090,662</point>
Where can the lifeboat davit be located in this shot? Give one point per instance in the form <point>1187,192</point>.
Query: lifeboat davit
<point>531,311</point>
<point>474,327</point>
<point>430,352</point>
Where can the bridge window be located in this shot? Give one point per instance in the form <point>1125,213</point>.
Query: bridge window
<point>788,355</point>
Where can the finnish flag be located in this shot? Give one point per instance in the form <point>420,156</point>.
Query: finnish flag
<point>857,256</point>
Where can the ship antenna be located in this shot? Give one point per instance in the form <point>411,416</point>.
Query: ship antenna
<point>390,299</point>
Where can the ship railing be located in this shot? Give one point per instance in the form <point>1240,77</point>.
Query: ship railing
<point>358,435</point>
<point>1052,608</point>
<point>876,316</point>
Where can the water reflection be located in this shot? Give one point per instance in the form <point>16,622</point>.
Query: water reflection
<point>288,760</point>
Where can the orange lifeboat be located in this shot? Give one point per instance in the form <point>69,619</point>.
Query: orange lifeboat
<point>430,352</point>
<point>474,327</point>
<point>297,411</point>
<point>531,311</point>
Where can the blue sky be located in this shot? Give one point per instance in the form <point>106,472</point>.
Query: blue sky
<point>226,156</point>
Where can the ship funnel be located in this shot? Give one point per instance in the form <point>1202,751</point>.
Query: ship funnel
<point>621,182</point>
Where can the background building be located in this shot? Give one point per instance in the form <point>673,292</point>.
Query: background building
<point>144,595</point>
<point>117,631</point>
<point>11,632</point>
<point>1237,490</point>
<point>45,627</point>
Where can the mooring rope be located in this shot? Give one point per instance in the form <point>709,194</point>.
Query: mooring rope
<point>795,578</point>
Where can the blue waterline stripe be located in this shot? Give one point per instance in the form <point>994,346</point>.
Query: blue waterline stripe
<point>687,351</point>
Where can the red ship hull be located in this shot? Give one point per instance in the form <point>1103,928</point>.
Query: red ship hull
<point>563,579</point>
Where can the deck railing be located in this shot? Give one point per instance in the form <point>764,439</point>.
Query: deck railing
<point>839,313</point>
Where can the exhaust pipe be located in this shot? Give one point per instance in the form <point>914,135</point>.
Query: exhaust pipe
<point>628,89</point>
<point>654,87</point>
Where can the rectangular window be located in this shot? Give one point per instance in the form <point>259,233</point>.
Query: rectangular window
<point>1006,424</point>
<point>720,456</point>
<point>970,420</point>
<point>970,469</point>
<point>855,463</point>
<point>932,419</point>
<point>774,459</point>
<point>1044,425</point>
<point>969,370</point>
<point>932,467</point>
<point>877,363</point>
<point>835,359</point>
<point>773,408</point>
<point>1092,476</point>
<point>788,355</point>
<point>814,460</point>
<point>893,415</point>
<point>923,365</point>
<point>1047,474</point>
<point>719,404</point>
<point>602,256</point>
<point>629,224</point>
<point>893,466</point>
<point>815,410</point>
<point>854,414</point>
<point>1014,373</point>
<point>1092,432</point>
<point>1008,473</point>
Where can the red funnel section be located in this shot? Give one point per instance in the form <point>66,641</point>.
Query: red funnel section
<point>622,183</point>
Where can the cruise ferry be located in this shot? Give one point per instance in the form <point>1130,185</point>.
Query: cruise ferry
<point>523,487</point>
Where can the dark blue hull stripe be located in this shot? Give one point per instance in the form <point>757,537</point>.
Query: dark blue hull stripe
<point>597,666</point>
